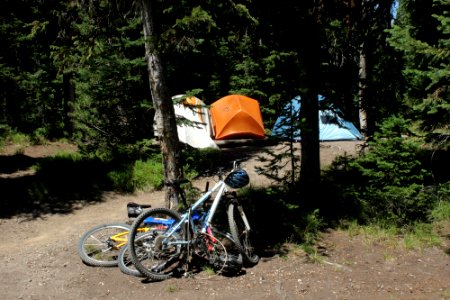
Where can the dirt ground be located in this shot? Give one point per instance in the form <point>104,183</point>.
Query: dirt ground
<point>40,259</point>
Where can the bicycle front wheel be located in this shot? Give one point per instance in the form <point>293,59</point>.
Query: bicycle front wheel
<point>100,245</point>
<point>155,252</point>
<point>240,230</point>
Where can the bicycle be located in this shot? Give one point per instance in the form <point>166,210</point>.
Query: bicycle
<point>105,245</point>
<point>100,246</point>
<point>171,241</point>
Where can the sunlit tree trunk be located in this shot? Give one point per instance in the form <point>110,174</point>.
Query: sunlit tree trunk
<point>362,91</point>
<point>162,102</point>
<point>69,99</point>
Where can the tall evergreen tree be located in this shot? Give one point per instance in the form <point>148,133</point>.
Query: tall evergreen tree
<point>162,101</point>
<point>360,65</point>
<point>106,60</point>
<point>29,95</point>
<point>421,34</point>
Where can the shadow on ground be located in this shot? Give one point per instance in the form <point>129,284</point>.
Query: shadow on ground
<point>33,187</point>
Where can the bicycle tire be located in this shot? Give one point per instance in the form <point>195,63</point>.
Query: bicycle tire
<point>149,253</point>
<point>240,234</point>
<point>126,266</point>
<point>96,248</point>
<point>220,251</point>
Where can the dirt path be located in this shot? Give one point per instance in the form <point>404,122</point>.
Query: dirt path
<point>40,261</point>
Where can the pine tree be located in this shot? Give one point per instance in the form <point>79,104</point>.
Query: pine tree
<point>108,68</point>
<point>426,54</point>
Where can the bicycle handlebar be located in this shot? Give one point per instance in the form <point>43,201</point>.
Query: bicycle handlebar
<point>221,170</point>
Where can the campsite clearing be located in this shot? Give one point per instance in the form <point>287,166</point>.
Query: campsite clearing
<point>40,259</point>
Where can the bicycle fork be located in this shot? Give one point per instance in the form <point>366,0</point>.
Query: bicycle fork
<point>244,217</point>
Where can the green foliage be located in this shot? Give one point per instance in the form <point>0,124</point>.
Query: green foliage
<point>121,179</point>
<point>418,235</point>
<point>19,139</point>
<point>11,137</point>
<point>394,180</point>
<point>201,161</point>
<point>390,182</point>
<point>111,85</point>
<point>392,161</point>
<point>309,228</point>
<point>441,211</point>
<point>39,136</point>
<point>140,175</point>
<point>275,162</point>
<point>247,75</point>
<point>422,38</point>
<point>96,49</point>
<point>31,98</point>
<point>148,174</point>
<point>421,236</point>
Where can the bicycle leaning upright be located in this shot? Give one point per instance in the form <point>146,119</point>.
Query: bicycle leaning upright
<point>162,242</point>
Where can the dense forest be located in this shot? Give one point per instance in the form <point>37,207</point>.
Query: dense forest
<point>85,71</point>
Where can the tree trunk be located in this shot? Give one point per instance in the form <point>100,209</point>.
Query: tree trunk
<point>362,91</point>
<point>165,115</point>
<point>309,113</point>
<point>310,146</point>
<point>69,99</point>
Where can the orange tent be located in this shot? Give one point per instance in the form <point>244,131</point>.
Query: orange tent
<point>237,116</point>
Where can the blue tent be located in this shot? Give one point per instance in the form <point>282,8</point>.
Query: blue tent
<point>332,126</point>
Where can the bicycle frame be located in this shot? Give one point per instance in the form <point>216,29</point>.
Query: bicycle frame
<point>122,238</point>
<point>220,188</point>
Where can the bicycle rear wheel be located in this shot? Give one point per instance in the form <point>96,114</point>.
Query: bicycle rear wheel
<point>240,230</point>
<point>220,251</point>
<point>100,245</point>
<point>154,253</point>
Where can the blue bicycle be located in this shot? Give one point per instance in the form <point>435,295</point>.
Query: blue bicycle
<point>163,243</point>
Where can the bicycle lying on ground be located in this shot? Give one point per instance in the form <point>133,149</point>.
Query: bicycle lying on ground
<point>100,245</point>
<point>162,243</point>
<point>105,245</point>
